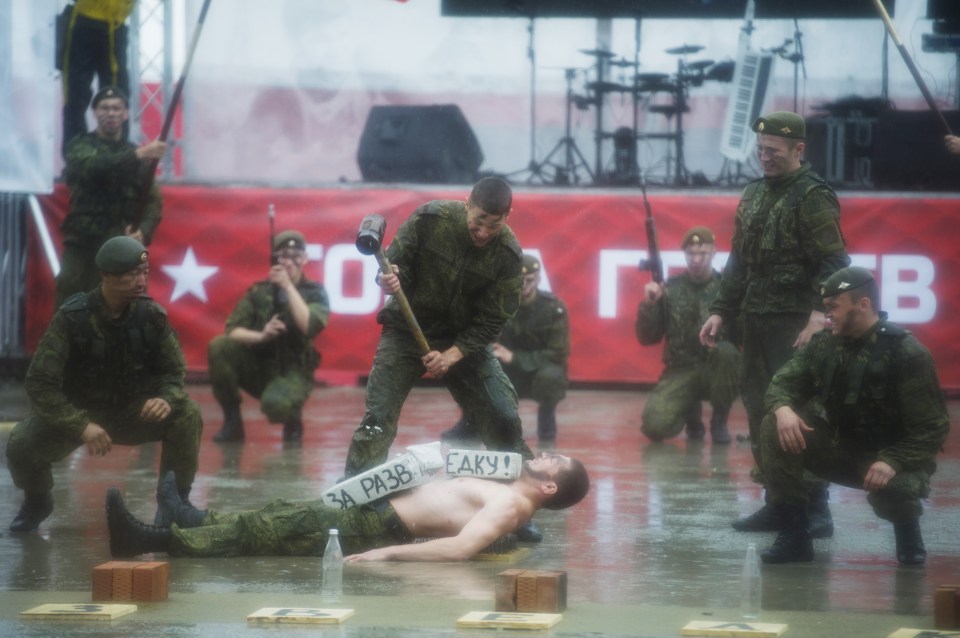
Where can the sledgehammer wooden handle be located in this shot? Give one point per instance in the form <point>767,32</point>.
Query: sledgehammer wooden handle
<point>387,269</point>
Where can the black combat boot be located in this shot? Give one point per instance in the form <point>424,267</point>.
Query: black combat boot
<point>718,426</point>
<point>173,507</point>
<point>910,549</point>
<point>35,508</point>
<point>793,543</point>
<point>529,532</point>
<point>232,429</point>
<point>128,536</point>
<point>821,522</point>
<point>293,431</point>
<point>765,519</point>
<point>546,423</point>
<point>694,422</point>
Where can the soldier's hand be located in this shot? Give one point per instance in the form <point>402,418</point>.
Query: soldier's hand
<point>435,363</point>
<point>710,330</point>
<point>790,429</point>
<point>273,329</point>
<point>390,283</point>
<point>155,410</point>
<point>503,354</point>
<point>652,292</point>
<point>814,325</point>
<point>136,234</point>
<point>279,276</point>
<point>96,439</point>
<point>151,150</point>
<point>878,476</point>
<point>952,143</point>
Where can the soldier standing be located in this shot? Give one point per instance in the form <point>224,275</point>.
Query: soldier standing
<point>105,175</point>
<point>108,370</point>
<point>786,240</point>
<point>533,350</point>
<point>268,346</point>
<point>675,311</point>
<point>860,405</point>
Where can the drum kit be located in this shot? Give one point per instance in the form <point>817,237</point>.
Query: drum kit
<point>642,88</point>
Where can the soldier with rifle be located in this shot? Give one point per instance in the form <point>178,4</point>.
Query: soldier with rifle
<point>268,346</point>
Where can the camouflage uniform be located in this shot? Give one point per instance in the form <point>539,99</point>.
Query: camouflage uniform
<point>91,368</point>
<point>692,372</point>
<point>875,398</point>
<point>286,528</point>
<point>786,241</point>
<point>105,179</point>
<point>539,337</point>
<point>461,295</point>
<point>279,373</point>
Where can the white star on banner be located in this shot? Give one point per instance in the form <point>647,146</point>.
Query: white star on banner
<point>189,276</point>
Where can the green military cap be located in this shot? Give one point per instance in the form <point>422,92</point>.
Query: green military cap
<point>290,239</point>
<point>781,124</point>
<point>696,236</point>
<point>109,92</point>
<point>120,254</point>
<point>845,280</point>
<point>530,264</point>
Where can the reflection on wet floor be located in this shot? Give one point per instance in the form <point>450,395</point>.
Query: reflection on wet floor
<point>655,529</point>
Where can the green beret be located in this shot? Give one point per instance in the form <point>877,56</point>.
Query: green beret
<point>845,280</point>
<point>530,264</point>
<point>781,124</point>
<point>109,92</point>
<point>120,254</point>
<point>698,235</point>
<point>290,239</point>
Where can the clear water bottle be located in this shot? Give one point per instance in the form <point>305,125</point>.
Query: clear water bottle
<point>751,584</point>
<point>332,588</point>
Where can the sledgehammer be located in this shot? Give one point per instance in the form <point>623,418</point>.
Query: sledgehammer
<point>370,242</point>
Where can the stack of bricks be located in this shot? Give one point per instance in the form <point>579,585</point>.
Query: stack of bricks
<point>528,590</point>
<point>946,607</point>
<point>124,581</point>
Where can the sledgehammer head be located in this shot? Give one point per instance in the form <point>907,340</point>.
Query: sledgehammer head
<point>370,235</point>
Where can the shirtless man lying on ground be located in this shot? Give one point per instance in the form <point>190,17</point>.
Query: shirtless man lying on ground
<point>461,515</point>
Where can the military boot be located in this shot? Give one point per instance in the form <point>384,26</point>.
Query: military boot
<point>718,426</point>
<point>793,544</point>
<point>821,521</point>
<point>694,423</point>
<point>546,423</point>
<point>35,508</point>
<point>128,536</point>
<point>293,431</point>
<point>232,429</point>
<point>765,519</point>
<point>529,532</point>
<point>910,549</point>
<point>173,506</point>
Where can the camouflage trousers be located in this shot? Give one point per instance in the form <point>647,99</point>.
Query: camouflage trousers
<point>477,383</point>
<point>78,272</point>
<point>676,398</point>
<point>287,528</point>
<point>35,445</point>
<point>546,385</point>
<point>840,460</point>
<point>233,366</point>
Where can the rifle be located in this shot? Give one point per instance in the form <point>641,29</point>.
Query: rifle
<point>653,262</point>
<point>279,297</point>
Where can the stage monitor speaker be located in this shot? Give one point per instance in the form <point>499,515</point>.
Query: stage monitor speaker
<point>909,152</point>
<point>422,144</point>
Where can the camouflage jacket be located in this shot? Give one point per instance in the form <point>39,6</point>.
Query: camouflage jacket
<point>292,348</point>
<point>87,363</point>
<point>880,390</point>
<point>786,240</point>
<point>678,316</point>
<point>539,334</point>
<point>459,293</point>
<point>105,179</point>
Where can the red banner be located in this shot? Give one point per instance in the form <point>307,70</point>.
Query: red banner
<point>213,243</point>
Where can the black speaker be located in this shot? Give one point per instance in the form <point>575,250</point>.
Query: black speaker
<point>423,144</point>
<point>909,152</point>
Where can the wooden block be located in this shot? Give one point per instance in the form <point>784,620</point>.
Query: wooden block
<point>81,611</point>
<point>508,620</point>
<point>306,615</point>
<point>527,591</point>
<point>151,581</point>
<point>732,629</point>
<point>505,591</point>
<point>122,588</point>
<point>944,607</point>
<point>551,592</point>
<point>103,582</point>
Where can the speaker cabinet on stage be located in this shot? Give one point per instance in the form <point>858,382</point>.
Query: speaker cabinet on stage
<point>422,144</point>
<point>909,153</point>
<point>840,149</point>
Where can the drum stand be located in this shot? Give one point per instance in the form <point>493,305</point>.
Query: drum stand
<point>566,173</point>
<point>534,168</point>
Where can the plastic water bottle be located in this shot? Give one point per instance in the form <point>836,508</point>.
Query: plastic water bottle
<point>751,584</point>
<point>332,588</point>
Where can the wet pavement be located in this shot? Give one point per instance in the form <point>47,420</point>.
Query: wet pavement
<point>650,549</point>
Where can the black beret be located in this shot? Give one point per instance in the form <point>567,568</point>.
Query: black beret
<point>845,280</point>
<point>290,239</point>
<point>109,92</point>
<point>120,254</point>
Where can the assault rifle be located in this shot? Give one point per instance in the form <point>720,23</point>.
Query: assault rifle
<point>653,261</point>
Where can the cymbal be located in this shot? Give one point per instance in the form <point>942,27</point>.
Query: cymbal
<point>668,109</point>
<point>657,87</point>
<point>721,71</point>
<point>651,77</point>
<point>607,87</point>
<point>599,53</point>
<point>685,49</point>
<point>698,65</point>
<point>623,63</point>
